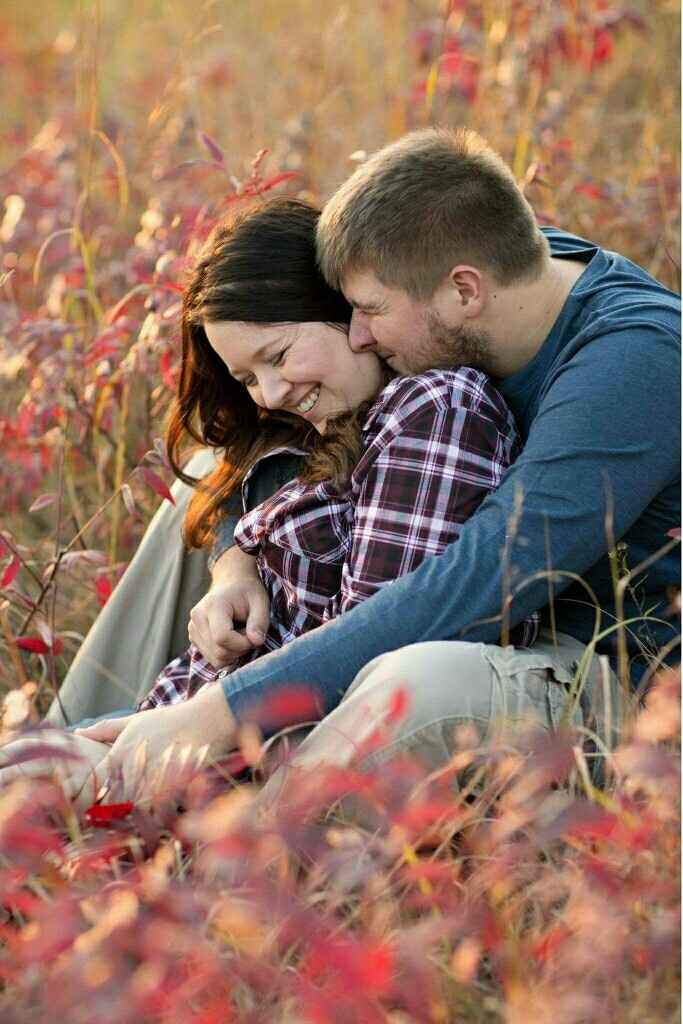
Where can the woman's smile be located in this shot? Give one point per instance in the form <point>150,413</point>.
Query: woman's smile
<point>309,401</point>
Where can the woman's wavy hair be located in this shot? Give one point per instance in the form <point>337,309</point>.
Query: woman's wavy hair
<point>256,267</point>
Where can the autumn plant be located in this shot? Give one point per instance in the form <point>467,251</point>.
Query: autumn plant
<point>498,888</point>
<point>505,887</point>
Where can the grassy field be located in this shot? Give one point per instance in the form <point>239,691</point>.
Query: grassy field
<point>126,130</point>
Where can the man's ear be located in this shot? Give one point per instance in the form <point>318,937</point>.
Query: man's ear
<point>467,286</point>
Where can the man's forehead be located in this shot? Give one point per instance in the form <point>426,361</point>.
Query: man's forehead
<point>362,287</point>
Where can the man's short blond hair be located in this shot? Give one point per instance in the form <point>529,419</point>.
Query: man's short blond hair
<point>423,204</point>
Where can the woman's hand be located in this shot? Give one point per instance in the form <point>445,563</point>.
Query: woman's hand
<point>36,756</point>
<point>237,596</point>
<point>151,748</point>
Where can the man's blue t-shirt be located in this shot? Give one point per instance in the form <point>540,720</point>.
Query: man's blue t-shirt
<point>623,326</point>
<point>599,412</point>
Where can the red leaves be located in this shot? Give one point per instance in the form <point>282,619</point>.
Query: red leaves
<point>603,47</point>
<point>10,573</point>
<point>258,186</point>
<point>591,190</point>
<point>102,815</point>
<point>42,502</point>
<point>348,966</point>
<point>595,870</point>
<point>398,706</point>
<point>36,645</point>
<point>128,500</point>
<point>88,555</point>
<point>104,588</point>
<point>214,149</point>
<point>109,343</point>
<point>262,186</point>
<point>546,947</point>
<point>288,706</point>
<point>156,483</point>
<point>166,964</point>
<point>170,370</point>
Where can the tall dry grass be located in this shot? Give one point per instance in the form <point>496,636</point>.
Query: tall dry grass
<point>114,116</point>
<point>126,130</point>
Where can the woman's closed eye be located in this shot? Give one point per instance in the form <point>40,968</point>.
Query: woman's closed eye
<point>279,357</point>
<point>250,381</point>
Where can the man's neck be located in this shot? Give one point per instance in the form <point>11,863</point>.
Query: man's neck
<point>522,316</point>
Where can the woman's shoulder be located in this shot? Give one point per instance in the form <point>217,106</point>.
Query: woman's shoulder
<point>288,458</point>
<point>403,398</point>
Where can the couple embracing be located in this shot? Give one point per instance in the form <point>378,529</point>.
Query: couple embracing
<point>431,422</point>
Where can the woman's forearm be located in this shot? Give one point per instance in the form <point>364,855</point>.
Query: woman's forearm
<point>233,565</point>
<point>233,617</point>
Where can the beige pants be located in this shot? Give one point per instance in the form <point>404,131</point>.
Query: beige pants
<point>450,684</point>
<point>144,625</point>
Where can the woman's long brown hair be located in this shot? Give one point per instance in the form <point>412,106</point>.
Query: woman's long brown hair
<point>259,267</point>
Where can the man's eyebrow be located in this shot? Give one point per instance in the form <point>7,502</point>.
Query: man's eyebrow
<point>368,307</point>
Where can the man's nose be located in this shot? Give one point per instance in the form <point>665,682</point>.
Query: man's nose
<point>360,335</point>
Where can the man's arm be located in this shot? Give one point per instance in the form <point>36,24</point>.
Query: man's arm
<point>610,428</point>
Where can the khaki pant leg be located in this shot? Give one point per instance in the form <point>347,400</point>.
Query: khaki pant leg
<point>448,684</point>
<point>144,623</point>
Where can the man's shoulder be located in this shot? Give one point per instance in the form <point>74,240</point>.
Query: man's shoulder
<point>564,243</point>
<point>615,299</point>
<point>609,273</point>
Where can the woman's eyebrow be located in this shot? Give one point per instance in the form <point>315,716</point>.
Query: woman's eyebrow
<point>260,351</point>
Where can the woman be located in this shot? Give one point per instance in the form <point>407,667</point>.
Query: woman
<point>391,468</point>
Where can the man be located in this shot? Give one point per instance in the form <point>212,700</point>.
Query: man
<point>439,253</point>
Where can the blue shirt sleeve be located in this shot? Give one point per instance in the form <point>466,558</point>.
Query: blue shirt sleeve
<point>267,477</point>
<point>606,433</point>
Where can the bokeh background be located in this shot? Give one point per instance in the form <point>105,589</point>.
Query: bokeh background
<point>128,128</point>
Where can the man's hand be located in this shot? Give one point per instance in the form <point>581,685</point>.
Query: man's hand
<point>237,597</point>
<point>150,749</point>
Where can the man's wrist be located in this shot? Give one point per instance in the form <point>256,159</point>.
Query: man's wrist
<point>211,705</point>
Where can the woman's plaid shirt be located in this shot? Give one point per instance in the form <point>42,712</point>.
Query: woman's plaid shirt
<point>434,446</point>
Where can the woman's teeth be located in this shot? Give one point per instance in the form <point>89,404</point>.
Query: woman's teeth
<point>309,401</point>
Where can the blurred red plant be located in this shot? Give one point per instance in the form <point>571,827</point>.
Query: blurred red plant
<point>256,914</point>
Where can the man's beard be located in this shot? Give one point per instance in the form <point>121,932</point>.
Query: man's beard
<point>447,348</point>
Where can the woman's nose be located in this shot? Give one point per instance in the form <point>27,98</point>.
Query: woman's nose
<point>360,335</point>
<point>274,392</point>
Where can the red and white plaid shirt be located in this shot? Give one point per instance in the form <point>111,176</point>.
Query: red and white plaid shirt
<point>434,446</point>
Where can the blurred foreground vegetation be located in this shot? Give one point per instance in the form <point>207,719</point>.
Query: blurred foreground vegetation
<point>126,130</point>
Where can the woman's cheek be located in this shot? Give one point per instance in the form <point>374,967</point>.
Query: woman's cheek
<point>302,369</point>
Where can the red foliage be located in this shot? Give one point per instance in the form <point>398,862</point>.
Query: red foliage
<point>10,573</point>
<point>37,645</point>
<point>104,588</point>
<point>288,706</point>
<point>157,484</point>
<point>102,815</point>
